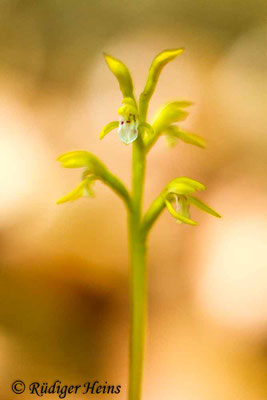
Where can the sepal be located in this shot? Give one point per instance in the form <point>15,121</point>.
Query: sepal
<point>108,128</point>
<point>174,132</point>
<point>204,207</point>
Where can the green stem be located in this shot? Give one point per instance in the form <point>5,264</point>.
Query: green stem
<point>152,214</point>
<point>138,274</point>
<point>117,186</point>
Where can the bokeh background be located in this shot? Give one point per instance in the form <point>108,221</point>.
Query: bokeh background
<point>64,269</point>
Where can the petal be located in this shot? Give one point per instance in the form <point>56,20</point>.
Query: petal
<point>122,74</point>
<point>83,189</point>
<point>178,216</point>
<point>108,128</point>
<point>204,207</point>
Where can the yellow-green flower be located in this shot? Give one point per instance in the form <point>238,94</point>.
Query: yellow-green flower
<point>180,192</point>
<point>94,170</point>
<point>127,125</point>
<point>128,129</point>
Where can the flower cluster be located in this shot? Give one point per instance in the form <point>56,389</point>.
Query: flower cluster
<point>133,127</point>
<point>164,120</point>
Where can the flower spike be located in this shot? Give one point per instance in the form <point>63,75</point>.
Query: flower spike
<point>177,196</point>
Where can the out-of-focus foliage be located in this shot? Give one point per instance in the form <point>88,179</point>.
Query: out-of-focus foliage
<point>55,41</point>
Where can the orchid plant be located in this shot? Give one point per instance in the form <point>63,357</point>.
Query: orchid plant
<point>177,196</point>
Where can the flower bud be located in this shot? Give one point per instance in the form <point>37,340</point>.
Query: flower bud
<point>122,74</point>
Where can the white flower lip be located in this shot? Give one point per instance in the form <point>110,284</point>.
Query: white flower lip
<point>128,129</point>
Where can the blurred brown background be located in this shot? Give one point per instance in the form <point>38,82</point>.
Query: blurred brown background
<point>64,269</point>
